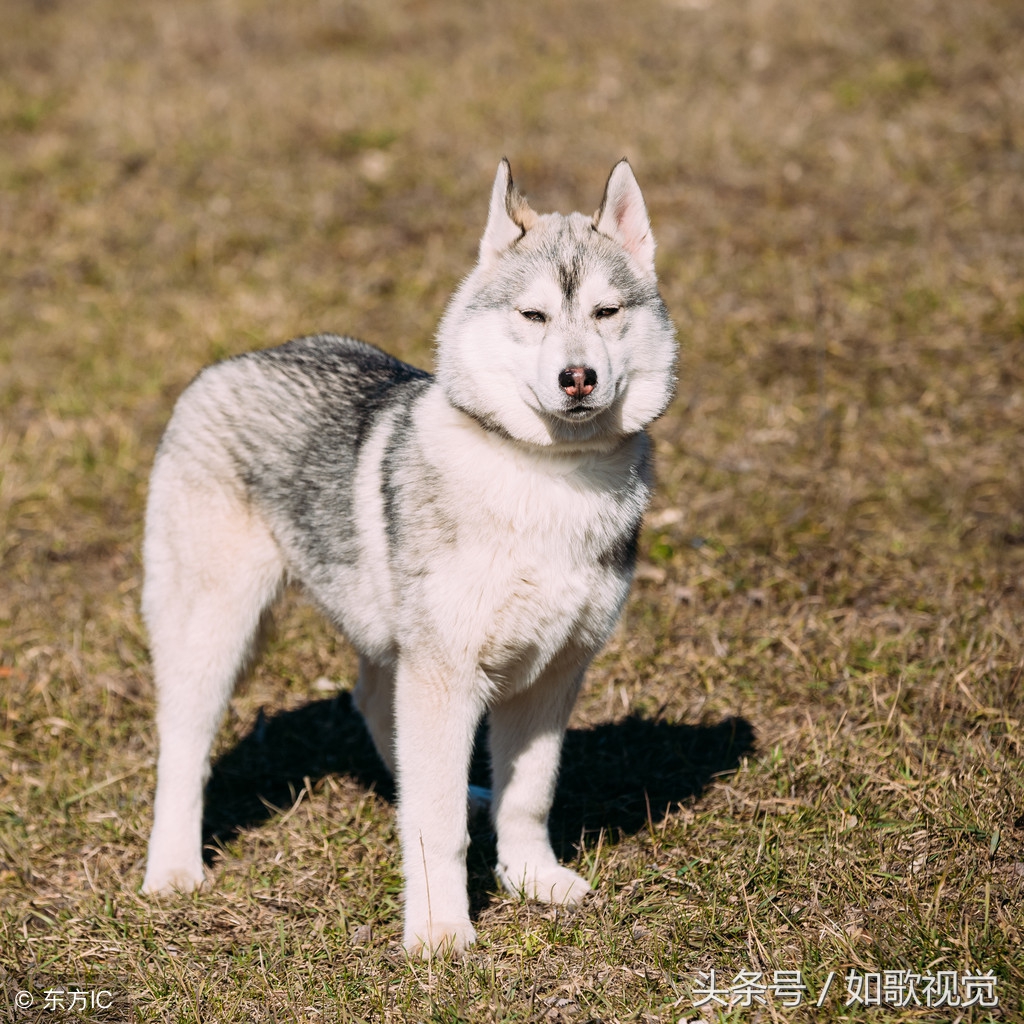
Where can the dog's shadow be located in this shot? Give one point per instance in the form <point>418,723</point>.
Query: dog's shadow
<point>615,779</point>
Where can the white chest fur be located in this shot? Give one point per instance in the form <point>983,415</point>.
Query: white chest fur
<point>517,552</point>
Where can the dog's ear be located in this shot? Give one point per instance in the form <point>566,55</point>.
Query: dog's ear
<point>509,217</point>
<point>623,216</point>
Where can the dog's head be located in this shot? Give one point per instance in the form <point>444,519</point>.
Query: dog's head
<point>559,337</point>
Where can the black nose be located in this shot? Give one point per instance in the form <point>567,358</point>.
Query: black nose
<point>577,381</point>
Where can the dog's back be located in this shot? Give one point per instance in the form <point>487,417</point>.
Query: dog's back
<point>264,416</point>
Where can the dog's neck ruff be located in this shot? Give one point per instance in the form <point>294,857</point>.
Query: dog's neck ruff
<point>599,444</point>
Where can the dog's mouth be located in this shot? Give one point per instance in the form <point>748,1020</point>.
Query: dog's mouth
<point>570,410</point>
<point>582,409</point>
<point>579,412</point>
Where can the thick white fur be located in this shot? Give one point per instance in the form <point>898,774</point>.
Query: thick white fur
<point>504,621</point>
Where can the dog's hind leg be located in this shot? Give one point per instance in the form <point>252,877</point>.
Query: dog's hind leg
<point>374,697</point>
<point>212,568</point>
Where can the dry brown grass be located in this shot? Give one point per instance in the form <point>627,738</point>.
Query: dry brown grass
<point>834,559</point>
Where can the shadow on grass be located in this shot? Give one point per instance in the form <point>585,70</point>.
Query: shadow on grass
<point>264,773</point>
<point>623,775</point>
<point>616,777</point>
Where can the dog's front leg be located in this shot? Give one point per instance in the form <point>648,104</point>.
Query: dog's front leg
<point>436,715</point>
<point>526,734</point>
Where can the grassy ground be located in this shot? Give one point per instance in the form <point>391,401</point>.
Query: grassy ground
<point>802,751</point>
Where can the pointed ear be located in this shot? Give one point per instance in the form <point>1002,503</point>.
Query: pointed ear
<point>509,217</point>
<point>623,216</point>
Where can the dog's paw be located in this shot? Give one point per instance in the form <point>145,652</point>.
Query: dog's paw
<point>162,880</point>
<point>547,885</point>
<point>438,938</point>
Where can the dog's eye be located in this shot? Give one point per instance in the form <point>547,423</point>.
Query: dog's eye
<point>535,315</point>
<point>603,312</point>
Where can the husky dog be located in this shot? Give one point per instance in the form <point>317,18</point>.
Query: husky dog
<point>472,533</point>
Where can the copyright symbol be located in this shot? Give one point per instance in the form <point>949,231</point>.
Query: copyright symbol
<point>23,1000</point>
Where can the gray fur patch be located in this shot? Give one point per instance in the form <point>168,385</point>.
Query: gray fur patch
<point>293,429</point>
<point>570,275</point>
<point>621,556</point>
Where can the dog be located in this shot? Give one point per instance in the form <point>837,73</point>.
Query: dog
<point>472,533</point>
